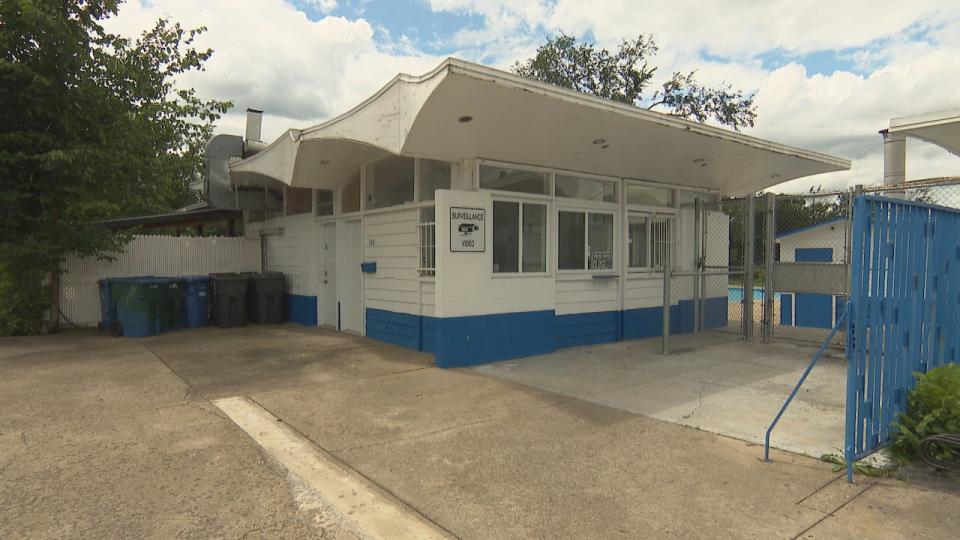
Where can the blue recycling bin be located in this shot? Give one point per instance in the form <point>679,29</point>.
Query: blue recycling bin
<point>140,305</point>
<point>196,301</point>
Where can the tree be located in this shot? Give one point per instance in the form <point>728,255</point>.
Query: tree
<point>92,126</point>
<point>625,76</point>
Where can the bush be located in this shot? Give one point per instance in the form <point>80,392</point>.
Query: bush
<point>23,300</point>
<point>933,407</point>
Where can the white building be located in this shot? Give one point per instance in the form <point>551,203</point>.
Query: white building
<point>495,217</point>
<point>821,243</point>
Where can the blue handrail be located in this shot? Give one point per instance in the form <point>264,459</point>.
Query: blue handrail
<point>813,362</point>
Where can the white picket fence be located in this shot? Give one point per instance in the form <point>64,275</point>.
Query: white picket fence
<point>151,256</point>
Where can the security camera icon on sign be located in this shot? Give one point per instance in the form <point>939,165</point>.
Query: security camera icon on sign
<point>468,228</point>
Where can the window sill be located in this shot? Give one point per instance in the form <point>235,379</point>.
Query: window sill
<point>500,275</point>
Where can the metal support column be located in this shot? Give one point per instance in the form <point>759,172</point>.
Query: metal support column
<point>667,271</point>
<point>769,253</point>
<point>699,239</point>
<point>748,255</point>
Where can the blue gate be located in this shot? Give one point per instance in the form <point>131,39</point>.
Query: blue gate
<point>904,311</point>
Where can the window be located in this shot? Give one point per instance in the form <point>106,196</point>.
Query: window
<point>584,240</point>
<point>519,237</point>
<point>514,180</point>
<point>390,182</point>
<point>648,237</point>
<point>638,241</point>
<point>434,175</point>
<point>711,201</point>
<point>589,189</point>
<point>324,202</point>
<point>648,196</point>
<point>427,238</point>
<point>297,201</point>
<point>350,196</point>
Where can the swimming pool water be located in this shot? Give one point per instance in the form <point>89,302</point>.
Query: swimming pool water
<point>735,294</point>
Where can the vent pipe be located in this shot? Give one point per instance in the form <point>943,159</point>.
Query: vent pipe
<point>254,122</point>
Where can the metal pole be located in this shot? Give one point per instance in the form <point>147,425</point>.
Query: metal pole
<point>769,252</point>
<point>748,254</point>
<point>699,239</point>
<point>666,297</point>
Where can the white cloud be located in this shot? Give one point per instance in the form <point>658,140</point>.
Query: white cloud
<point>839,114</point>
<point>269,55</point>
<point>323,6</point>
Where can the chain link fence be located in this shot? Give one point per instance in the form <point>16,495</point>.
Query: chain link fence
<point>773,267</point>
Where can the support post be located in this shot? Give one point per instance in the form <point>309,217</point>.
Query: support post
<point>699,226</point>
<point>894,161</point>
<point>769,252</point>
<point>748,255</point>
<point>666,296</point>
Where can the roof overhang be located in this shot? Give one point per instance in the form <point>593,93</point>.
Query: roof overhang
<point>939,128</point>
<point>191,215</point>
<point>519,120</point>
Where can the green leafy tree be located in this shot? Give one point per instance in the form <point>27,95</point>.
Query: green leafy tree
<point>626,76</point>
<point>92,126</point>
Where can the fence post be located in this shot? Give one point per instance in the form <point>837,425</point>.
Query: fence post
<point>748,255</point>
<point>769,251</point>
<point>666,297</point>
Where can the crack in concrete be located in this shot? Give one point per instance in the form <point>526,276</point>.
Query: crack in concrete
<point>699,402</point>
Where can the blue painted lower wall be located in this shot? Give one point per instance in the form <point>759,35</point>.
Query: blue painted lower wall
<point>397,328</point>
<point>587,328</point>
<point>464,341</point>
<point>302,309</point>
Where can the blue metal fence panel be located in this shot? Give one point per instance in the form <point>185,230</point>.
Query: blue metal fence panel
<point>904,311</point>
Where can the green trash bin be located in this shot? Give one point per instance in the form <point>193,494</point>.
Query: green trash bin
<point>139,305</point>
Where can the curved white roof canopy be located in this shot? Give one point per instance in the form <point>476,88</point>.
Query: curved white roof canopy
<point>524,121</point>
<point>940,128</point>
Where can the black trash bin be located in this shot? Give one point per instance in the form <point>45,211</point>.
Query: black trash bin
<point>266,297</point>
<point>229,299</point>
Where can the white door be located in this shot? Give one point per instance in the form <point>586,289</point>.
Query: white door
<point>349,279</point>
<point>327,274</point>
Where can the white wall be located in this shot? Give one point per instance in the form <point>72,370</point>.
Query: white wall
<point>151,256</point>
<point>294,252</point>
<point>390,240</point>
<point>465,282</point>
<point>833,235</point>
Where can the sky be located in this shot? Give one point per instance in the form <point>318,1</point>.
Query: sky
<point>827,75</point>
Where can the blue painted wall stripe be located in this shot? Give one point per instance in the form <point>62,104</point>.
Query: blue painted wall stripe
<point>302,309</point>
<point>464,341</point>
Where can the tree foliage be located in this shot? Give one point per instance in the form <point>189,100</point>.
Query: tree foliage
<point>625,76</point>
<point>92,126</point>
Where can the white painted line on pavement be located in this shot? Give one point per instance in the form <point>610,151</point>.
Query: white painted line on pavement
<point>367,507</point>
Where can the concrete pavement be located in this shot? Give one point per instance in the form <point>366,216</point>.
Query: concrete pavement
<point>100,438</point>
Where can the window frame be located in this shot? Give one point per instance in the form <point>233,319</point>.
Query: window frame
<point>586,208</point>
<point>650,217</point>
<point>534,199</point>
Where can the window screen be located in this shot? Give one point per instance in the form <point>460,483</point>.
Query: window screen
<point>506,236</point>
<point>571,234</point>
<point>589,189</point>
<point>513,180</point>
<point>434,175</point>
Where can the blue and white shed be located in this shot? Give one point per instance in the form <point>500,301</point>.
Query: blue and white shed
<point>481,216</point>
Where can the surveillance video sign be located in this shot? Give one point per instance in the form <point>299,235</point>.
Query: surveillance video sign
<point>467,228</point>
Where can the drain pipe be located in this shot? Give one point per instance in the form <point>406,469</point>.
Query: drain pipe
<point>264,235</point>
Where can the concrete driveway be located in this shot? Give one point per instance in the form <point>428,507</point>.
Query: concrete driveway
<point>118,437</point>
<point>712,381</point>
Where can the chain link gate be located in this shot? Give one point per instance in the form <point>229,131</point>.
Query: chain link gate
<point>703,285</point>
